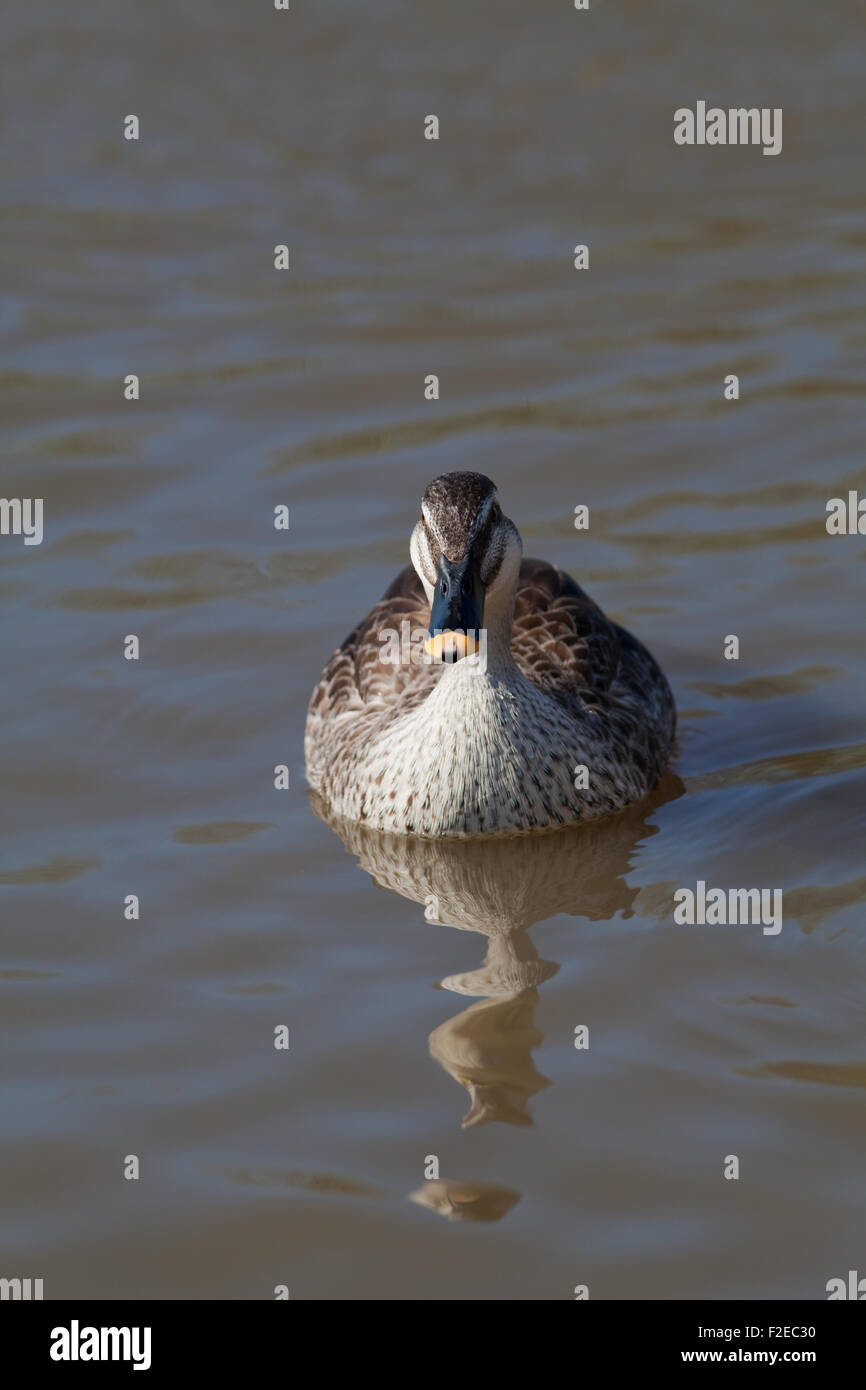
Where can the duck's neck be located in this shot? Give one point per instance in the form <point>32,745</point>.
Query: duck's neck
<point>498,620</point>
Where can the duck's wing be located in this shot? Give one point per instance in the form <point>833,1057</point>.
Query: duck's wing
<point>368,670</point>
<point>560,639</point>
<point>566,646</point>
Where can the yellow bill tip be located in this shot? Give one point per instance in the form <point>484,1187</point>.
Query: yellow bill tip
<point>445,644</point>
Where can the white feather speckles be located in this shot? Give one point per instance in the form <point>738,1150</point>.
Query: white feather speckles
<point>480,755</point>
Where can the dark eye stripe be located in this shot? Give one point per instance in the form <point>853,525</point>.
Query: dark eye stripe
<point>491,572</point>
<point>482,540</point>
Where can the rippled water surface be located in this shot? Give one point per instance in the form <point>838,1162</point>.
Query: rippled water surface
<point>413,1037</point>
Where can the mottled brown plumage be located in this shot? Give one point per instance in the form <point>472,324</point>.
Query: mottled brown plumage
<point>566,687</point>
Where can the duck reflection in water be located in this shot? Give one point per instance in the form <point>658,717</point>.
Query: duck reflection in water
<point>465,1201</point>
<point>500,887</point>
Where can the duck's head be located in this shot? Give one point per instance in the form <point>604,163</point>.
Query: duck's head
<point>467,556</point>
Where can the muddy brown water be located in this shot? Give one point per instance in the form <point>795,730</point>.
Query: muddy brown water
<point>431,993</point>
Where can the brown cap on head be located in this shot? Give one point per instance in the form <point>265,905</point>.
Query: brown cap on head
<point>455,508</point>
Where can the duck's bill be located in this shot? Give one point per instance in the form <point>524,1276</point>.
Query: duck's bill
<point>457,611</point>
<point>451,645</point>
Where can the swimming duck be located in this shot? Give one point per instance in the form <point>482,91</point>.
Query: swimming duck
<point>484,694</point>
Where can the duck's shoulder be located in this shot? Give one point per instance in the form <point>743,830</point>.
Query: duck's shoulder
<point>561,640</point>
<point>369,667</point>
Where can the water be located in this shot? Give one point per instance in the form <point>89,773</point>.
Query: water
<point>155,1037</point>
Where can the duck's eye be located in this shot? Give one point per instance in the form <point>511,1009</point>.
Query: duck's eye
<point>443,587</point>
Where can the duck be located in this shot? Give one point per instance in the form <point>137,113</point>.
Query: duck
<point>485,694</point>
